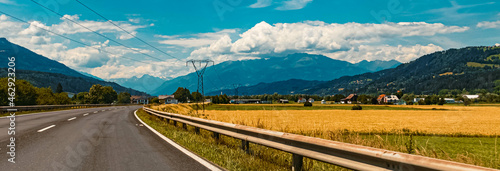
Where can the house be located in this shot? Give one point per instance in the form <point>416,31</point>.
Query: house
<point>167,99</point>
<point>139,100</point>
<point>349,99</point>
<point>311,100</point>
<point>283,100</point>
<point>208,100</point>
<point>381,98</point>
<point>301,100</point>
<point>416,100</point>
<point>471,96</point>
<point>323,101</point>
<point>391,99</point>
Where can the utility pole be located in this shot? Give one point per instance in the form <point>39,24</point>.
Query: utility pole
<point>200,70</point>
<point>236,86</point>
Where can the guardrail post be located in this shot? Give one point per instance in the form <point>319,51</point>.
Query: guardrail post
<point>197,130</point>
<point>184,125</point>
<point>297,162</point>
<point>175,123</point>
<point>245,145</point>
<point>216,136</point>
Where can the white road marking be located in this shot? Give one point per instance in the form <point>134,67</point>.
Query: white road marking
<point>103,110</point>
<point>96,111</point>
<point>187,152</point>
<point>41,130</point>
<point>86,114</point>
<point>73,118</point>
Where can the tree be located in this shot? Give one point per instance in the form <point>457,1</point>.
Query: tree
<point>59,88</point>
<point>99,94</point>
<point>182,94</point>
<point>26,94</point>
<point>155,100</point>
<point>81,97</point>
<point>197,96</point>
<point>62,98</point>
<point>124,98</point>
<point>45,97</point>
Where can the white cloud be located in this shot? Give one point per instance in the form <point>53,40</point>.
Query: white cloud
<point>195,40</point>
<point>68,27</point>
<point>261,4</point>
<point>488,24</point>
<point>497,44</point>
<point>319,37</point>
<point>6,2</point>
<point>293,4</point>
<point>384,52</point>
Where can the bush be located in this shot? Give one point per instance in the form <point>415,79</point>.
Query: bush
<point>308,104</point>
<point>357,107</point>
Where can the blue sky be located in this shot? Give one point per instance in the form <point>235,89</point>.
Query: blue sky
<point>235,30</point>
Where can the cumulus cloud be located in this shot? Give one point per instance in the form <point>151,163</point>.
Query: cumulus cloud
<point>488,24</point>
<point>196,40</point>
<point>317,36</point>
<point>261,4</point>
<point>169,67</point>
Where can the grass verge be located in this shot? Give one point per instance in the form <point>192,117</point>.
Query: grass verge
<point>226,151</point>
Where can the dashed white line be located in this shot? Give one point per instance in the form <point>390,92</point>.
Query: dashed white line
<point>96,111</point>
<point>103,110</point>
<point>41,130</point>
<point>85,114</point>
<point>73,118</point>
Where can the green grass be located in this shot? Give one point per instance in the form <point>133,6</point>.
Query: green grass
<point>480,65</point>
<point>226,151</point>
<point>295,107</point>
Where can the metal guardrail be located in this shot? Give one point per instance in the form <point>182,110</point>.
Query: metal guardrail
<point>342,154</point>
<point>4,109</point>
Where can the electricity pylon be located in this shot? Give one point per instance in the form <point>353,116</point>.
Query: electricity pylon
<point>200,71</point>
<point>236,86</point>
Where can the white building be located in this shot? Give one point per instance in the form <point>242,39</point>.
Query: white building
<point>311,100</point>
<point>471,96</point>
<point>391,99</point>
<point>301,100</point>
<point>323,101</point>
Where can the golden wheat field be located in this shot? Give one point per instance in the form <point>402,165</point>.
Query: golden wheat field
<point>470,120</point>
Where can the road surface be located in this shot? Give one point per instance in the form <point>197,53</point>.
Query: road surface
<point>106,138</point>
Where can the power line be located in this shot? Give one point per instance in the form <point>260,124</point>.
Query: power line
<point>76,41</point>
<point>126,30</point>
<point>95,31</point>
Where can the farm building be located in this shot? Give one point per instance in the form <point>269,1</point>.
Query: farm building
<point>283,100</point>
<point>450,100</point>
<point>301,100</point>
<point>311,100</point>
<point>323,101</point>
<point>349,99</point>
<point>471,96</point>
<point>391,99</point>
<point>381,98</point>
<point>416,100</point>
<point>245,101</point>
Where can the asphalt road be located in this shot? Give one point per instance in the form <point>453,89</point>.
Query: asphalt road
<point>107,138</point>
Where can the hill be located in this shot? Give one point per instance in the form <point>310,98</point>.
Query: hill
<point>293,86</point>
<point>44,72</point>
<point>29,60</point>
<point>266,70</point>
<point>69,83</point>
<point>465,68</point>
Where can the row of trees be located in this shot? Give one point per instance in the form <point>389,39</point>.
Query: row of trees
<point>27,94</point>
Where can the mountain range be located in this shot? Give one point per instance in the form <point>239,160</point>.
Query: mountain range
<point>298,66</point>
<point>146,83</point>
<point>44,72</point>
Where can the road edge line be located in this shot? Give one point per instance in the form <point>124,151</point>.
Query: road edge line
<point>180,148</point>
